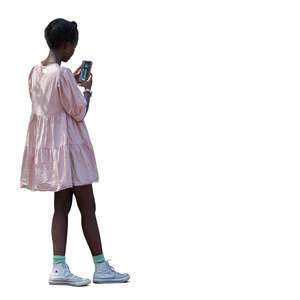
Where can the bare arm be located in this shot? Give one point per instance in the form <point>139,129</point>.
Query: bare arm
<point>87,96</point>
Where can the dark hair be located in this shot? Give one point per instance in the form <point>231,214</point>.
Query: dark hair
<point>59,31</point>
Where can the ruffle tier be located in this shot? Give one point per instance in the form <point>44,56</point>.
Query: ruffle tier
<point>58,154</point>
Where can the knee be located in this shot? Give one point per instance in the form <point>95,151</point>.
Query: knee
<point>88,212</point>
<point>63,210</point>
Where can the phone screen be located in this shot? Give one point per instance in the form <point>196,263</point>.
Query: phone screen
<point>86,67</point>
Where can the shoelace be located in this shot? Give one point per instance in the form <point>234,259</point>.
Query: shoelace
<point>111,268</point>
<point>68,273</point>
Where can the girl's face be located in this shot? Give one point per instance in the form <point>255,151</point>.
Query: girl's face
<point>68,50</point>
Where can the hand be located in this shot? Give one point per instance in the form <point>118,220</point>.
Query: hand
<point>88,83</point>
<point>76,73</point>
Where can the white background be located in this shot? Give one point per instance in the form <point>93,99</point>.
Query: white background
<point>195,126</point>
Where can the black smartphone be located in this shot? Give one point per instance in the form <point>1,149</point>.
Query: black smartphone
<point>85,70</point>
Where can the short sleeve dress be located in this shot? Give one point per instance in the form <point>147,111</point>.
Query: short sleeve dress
<point>58,153</point>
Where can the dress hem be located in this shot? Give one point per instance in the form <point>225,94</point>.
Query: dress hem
<point>26,186</point>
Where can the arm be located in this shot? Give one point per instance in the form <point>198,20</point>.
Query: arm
<point>71,98</point>
<point>87,96</point>
<point>30,82</point>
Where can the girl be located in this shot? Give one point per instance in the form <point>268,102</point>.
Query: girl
<point>59,155</point>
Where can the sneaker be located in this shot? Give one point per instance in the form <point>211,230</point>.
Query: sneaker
<point>105,273</point>
<point>61,274</point>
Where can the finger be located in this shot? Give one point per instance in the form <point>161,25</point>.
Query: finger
<point>77,69</point>
<point>76,73</point>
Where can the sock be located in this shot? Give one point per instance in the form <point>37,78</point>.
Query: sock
<point>98,258</point>
<point>57,259</point>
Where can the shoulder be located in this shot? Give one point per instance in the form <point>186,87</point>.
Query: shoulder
<point>65,69</point>
<point>31,69</point>
<point>65,74</point>
<point>31,72</point>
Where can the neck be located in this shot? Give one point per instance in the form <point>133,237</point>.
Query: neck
<point>53,57</point>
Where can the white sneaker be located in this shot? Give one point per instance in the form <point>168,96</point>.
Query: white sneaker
<point>105,273</point>
<point>61,274</point>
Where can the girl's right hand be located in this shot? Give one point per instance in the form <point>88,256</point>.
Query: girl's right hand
<point>88,83</point>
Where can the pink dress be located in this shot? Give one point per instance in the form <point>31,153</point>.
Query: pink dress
<point>58,153</point>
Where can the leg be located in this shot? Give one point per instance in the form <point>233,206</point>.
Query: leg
<point>59,229</point>
<point>87,206</point>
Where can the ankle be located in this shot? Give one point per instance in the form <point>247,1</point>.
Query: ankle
<point>57,259</point>
<point>98,258</point>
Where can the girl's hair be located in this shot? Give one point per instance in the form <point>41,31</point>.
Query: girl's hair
<point>59,31</point>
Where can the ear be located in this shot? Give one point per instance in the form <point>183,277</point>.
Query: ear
<point>67,45</point>
<point>64,46</point>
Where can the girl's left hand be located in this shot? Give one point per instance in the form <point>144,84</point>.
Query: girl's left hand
<point>76,73</point>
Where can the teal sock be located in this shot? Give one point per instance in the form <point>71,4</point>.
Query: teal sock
<point>57,259</point>
<point>98,258</point>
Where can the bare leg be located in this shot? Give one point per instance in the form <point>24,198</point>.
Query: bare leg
<point>59,229</point>
<point>86,203</point>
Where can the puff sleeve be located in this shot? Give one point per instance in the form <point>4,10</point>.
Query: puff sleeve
<point>71,98</point>
<point>30,82</point>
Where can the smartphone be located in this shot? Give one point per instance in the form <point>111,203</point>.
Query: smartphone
<point>85,71</point>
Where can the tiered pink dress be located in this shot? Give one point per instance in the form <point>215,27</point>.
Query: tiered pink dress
<point>58,153</point>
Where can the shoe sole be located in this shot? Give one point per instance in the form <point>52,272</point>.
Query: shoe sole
<point>60,282</point>
<point>111,280</point>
